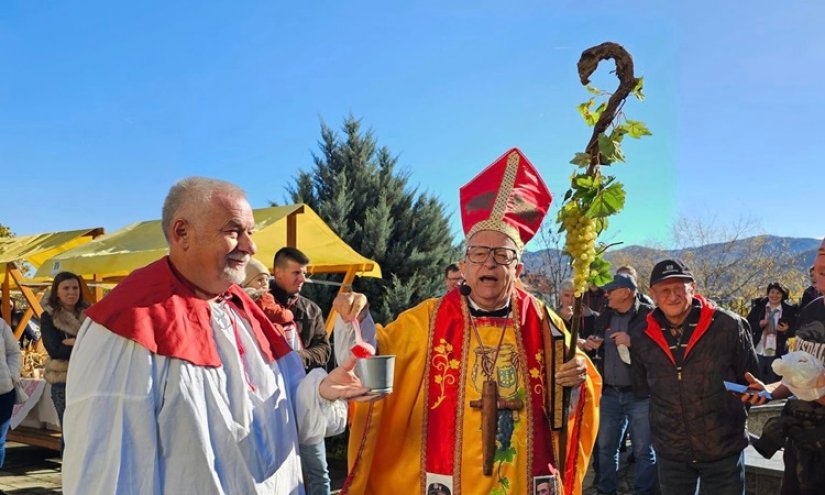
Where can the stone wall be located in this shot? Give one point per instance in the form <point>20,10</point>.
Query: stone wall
<point>762,476</point>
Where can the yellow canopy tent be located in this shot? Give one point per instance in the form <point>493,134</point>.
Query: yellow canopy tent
<point>114,256</point>
<point>34,249</point>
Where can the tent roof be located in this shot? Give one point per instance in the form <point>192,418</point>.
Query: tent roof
<point>37,248</point>
<point>138,244</point>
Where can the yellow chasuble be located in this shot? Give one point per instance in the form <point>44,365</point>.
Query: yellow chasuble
<point>509,470</point>
<point>392,442</point>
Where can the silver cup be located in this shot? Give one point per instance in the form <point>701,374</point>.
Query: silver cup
<point>376,373</point>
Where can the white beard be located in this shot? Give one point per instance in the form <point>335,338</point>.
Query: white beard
<point>234,275</point>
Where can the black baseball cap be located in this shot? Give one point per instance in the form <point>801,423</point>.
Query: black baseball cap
<point>671,268</point>
<point>620,281</point>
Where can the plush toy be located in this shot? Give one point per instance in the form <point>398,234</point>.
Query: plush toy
<point>802,373</point>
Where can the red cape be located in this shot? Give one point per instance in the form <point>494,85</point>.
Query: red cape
<point>156,309</point>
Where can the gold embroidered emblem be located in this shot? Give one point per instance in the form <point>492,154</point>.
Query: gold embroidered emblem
<point>446,367</point>
<point>506,369</point>
<point>536,373</point>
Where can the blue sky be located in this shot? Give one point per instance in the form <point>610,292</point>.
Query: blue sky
<point>103,105</point>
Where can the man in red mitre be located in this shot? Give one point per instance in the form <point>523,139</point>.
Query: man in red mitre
<point>487,340</point>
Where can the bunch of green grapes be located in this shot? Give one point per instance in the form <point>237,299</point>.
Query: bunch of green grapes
<point>581,245</point>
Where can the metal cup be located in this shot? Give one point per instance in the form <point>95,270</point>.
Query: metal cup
<point>376,373</point>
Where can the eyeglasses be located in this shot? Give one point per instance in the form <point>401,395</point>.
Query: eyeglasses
<point>501,255</point>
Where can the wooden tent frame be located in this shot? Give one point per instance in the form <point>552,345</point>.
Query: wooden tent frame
<point>13,277</point>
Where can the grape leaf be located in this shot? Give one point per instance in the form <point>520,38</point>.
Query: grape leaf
<point>596,114</point>
<point>602,278</point>
<point>607,202</point>
<point>586,182</point>
<point>581,159</point>
<point>600,264</point>
<point>505,455</point>
<point>585,110</point>
<point>637,91</point>
<point>636,129</point>
<point>610,149</point>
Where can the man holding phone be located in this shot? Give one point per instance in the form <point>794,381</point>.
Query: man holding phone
<point>805,415</point>
<point>687,350</point>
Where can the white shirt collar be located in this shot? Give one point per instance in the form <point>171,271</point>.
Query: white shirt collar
<point>478,308</point>
<point>769,308</point>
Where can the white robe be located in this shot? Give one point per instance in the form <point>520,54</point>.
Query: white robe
<point>139,423</point>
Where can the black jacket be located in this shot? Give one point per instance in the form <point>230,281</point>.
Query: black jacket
<point>310,322</point>
<point>595,300</point>
<point>53,338</point>
<point>692,417</point>
<point>588,318</point>
<point>809,295</point>
<point>790,313</point>
<point>635,328</point>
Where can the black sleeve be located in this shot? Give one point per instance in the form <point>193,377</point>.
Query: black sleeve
<point>588,325</point>
<point>53,338</point>
<point>638,370</point>
<point>316,350</point>
<point>807,296</point>
<point>755,315</point>
<point>790,314</point>
<point>745,359</point>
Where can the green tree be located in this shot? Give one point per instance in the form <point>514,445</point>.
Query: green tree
<point>356,188</point>
<point>5,231</point>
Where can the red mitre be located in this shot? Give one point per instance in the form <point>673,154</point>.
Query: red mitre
<point>509,197</point>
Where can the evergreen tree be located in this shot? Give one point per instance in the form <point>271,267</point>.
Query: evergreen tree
<point>357,190</point>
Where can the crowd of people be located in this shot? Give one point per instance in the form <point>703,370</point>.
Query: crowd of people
<point>667,390</point>
<point>205,371</point>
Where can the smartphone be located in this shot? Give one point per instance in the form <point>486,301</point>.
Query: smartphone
<point>742,389</point>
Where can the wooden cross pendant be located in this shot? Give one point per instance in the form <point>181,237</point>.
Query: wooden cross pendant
<point>490,404</point>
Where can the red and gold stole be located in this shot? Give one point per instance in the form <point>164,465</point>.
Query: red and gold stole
<point>446,375</point>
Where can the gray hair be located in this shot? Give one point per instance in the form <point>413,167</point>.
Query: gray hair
<point>567,284</point>
<point>628,269</point>
<point>193,195</point>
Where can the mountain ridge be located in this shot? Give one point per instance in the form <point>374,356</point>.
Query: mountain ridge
<point>802,249</point>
